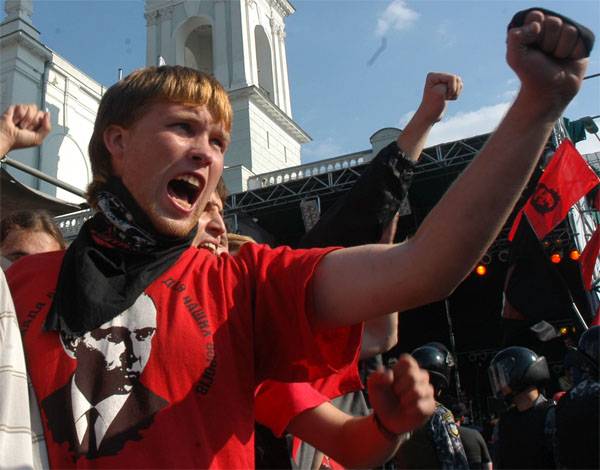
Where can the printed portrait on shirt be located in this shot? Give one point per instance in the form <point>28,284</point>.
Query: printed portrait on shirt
<point>104,404</point>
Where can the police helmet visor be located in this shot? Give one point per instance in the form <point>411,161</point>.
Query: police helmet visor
<point>499,374</point>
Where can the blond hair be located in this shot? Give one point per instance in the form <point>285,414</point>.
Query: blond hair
<point>125,102</point>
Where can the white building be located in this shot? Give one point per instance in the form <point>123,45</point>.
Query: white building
<point>32,73</point>
<point>241,42</point>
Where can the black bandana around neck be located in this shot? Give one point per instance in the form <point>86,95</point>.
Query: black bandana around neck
<point>116,255</point>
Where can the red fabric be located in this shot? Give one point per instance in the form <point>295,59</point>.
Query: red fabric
<point>596,320</point>
<point>558,395</point>
<point>589,257</point>
<point>213,341</point>
<point>567,178</point>
<point>277,403</point>
<point>515,226</point>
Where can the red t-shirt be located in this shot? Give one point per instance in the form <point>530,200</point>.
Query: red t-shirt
<point>277,403</point>
<point>181,378</point>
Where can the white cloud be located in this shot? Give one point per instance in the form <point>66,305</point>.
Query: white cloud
<point>405,118</point>
<point>397,16</point>
<point>589,145</point>
<point>316,151</point>
<point>468,124</point>
<point>446,36</point>
<point>509,94</point>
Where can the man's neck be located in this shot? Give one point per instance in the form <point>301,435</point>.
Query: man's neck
<point>526,399</point>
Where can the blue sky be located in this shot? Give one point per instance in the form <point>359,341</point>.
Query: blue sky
<point>337,97</point>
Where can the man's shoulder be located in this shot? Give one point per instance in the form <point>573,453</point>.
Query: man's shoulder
<point>469,433</point>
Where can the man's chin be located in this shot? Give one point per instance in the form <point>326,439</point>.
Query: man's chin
<point>171,227</point>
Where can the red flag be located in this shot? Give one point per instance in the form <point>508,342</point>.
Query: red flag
<point>567,178</point>
<point>515,226</point>
<point>596,320</point>
<point>588,258</point>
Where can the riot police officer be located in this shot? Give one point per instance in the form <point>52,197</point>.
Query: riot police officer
<point>524,439</point>
<point>578,411</point>
<point>437,443</point>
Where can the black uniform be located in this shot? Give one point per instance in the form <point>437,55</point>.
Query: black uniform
<point>522,438</point>
<point>437,444</point>
<point>577,426</point>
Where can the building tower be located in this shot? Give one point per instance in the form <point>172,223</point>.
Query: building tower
<point>30,72</point>
<point>241,43</point>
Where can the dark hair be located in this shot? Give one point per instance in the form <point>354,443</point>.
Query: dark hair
<point>37,221</point>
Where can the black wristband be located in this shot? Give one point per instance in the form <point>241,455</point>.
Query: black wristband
<point>389,435</point>
<point>586,35</point>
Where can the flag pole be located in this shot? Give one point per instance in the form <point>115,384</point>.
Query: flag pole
<point>453,346</point>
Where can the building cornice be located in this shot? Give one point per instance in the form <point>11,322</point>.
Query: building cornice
<point>154,6</point>
<point>21,38</point>
<point>284,7</point>
<point>257,97</point>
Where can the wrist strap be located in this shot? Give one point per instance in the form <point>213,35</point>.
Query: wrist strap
<point>389,435</point>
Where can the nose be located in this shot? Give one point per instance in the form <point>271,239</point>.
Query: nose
<point>128,357</point>
<point>216,226</point>
<point>201,151</point>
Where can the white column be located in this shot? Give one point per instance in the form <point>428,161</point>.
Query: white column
<point>242,55</point>
<point>285,81</point>
<point>151,38</point>
<point>276,63</point>
<point>166,43</point>
<point>221,40</point>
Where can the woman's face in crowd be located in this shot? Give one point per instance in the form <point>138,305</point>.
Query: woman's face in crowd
<point>212,233</point>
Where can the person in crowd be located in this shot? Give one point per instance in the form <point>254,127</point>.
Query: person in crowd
<point>437,443</point>
<point>25,233</point>
<point>473,442</point>
<point>524,439</point>
<point>212,231</point>
<point>16,447</point>
<point>223,324</point>
<point>578,411</point>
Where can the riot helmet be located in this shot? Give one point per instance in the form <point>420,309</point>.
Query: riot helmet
<point>514,369</point>
<point>589,343</point>
<point>436,359</point>
<point>589,352</point>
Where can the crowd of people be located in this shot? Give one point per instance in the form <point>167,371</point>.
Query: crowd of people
<point>157,339</point>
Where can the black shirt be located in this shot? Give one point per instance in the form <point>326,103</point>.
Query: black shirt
<point>578,426</point>
<point>475,447</point>
<point>522,441</point>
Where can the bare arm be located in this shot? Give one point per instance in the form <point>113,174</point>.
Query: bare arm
<point>360,283</point>
<point>381,334</point>
<point>403,400</point>
<point>22,125</point>
<point>439,87</point>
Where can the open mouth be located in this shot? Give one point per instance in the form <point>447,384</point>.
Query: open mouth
<point>209,246</point>
<point>185,190</point>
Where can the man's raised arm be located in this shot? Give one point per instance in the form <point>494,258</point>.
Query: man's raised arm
<point>439,88</point>
<point>359,283</point>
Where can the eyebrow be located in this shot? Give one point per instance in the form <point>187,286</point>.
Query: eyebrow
<point>15,255</point>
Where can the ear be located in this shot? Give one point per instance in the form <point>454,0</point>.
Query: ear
<point>114,140</point>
